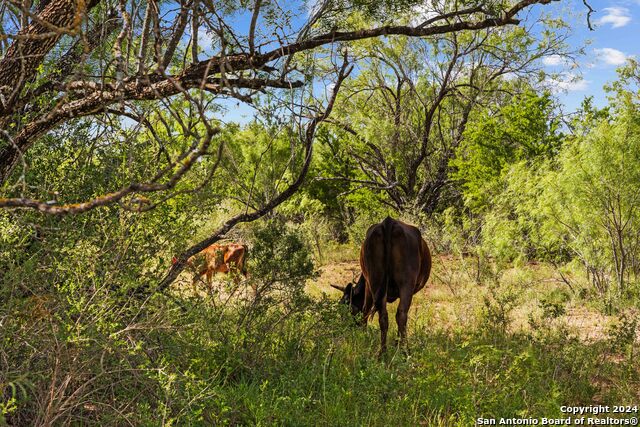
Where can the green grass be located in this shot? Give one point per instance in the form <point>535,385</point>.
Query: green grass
<point>462,362</point>
<point>446,379</point>
<point>492,349</point>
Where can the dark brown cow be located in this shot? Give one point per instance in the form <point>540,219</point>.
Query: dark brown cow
<point>395,263</point>
<point>218,258</point>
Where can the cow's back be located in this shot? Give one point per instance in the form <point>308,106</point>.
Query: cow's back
<point>395,253</point>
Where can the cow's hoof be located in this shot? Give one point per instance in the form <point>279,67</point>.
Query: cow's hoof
<point>402,346</point>
<point>382,353</point>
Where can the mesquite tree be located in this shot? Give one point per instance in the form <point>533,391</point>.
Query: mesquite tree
<point>402,119</point>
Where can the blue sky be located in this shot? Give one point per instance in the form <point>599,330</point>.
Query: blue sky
<point>615,38</point>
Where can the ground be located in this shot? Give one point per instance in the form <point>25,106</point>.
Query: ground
<point>453,297</point>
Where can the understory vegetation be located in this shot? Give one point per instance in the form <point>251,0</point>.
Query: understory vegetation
<point>289,360</point>
<point>494,342</point>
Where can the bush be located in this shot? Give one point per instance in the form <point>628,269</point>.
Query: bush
<point>496,312</point>
<point>553,304</point>
<point>279,260</point>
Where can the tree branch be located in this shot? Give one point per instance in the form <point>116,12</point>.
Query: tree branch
<point>110,198</point>
<point>157,86</point>
<point>252,26</point>
<point>23,58</point>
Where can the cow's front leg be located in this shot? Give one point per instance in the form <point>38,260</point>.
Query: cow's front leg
<point>366,310</point>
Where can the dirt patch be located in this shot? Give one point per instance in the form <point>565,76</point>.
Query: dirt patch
<point>339,273</point>
<point>451,299</point>
<point>588,324</point>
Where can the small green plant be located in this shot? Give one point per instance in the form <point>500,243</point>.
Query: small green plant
<point>279,259</point>
<point>496,312</point>
<point>622,334</point>
<point>553,304</point>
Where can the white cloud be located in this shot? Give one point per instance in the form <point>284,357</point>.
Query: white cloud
<point>422,13</point>
<point>616,16</point>
<point>553,60</point>
<point>610,56</point>
<point>205,38</point>
<point>567,82</point>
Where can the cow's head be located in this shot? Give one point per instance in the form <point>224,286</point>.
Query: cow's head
<point>353,295</point>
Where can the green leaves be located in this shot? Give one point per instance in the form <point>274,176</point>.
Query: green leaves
<point>523,130</point>
<point>594,193</point>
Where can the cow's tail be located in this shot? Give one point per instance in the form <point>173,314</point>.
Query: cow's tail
<point>381,292</point>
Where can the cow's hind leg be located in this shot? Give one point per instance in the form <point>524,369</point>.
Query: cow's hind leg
<point>401,317</point>
<point>383,318</point>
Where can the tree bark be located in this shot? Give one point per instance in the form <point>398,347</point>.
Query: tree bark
<point>25,55</point>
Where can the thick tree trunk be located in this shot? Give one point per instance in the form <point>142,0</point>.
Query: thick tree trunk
<point>27,52</point>
<point>24,57</point>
